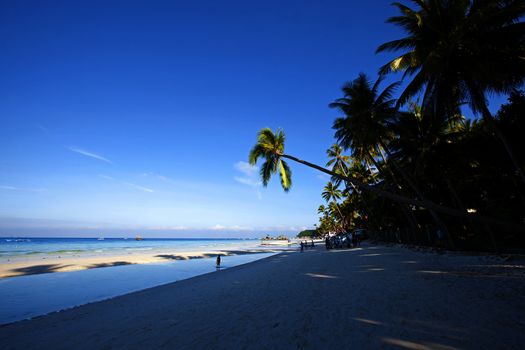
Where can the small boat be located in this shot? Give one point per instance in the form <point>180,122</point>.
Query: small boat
<point>138,238</point>
<point>100,239</point>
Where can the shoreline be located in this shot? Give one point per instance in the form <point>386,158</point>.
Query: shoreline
<point>45,263</point>
<point>369,297</point>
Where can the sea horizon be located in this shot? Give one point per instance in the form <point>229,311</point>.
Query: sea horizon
<point>20,247</point>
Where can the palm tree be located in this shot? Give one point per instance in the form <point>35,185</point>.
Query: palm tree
<point>337,161</point>
<point>459,51</point>
<point>366,111</point>
<point>270,146</point>
<point>365,130</point>
<point>321,209</point>
<point>331,192</point>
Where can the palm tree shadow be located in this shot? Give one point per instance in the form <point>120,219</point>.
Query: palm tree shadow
<point>37,269</point>
<point>115,263</point>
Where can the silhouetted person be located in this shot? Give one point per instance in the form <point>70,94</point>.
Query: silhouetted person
<point>218,261</point>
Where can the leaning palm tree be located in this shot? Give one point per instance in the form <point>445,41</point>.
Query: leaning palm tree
<point>270,146</point>
<point>459,51</point>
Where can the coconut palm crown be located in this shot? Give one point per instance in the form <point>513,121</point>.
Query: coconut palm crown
<point>270,146</point>
<point>459,50</point>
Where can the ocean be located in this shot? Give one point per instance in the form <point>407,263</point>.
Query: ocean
<point>17,246</point>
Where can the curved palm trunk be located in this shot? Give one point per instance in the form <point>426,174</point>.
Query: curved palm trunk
<point>409,215</point>
<point>354,187</point>
<point>415,188</point>
<point>422,203</point>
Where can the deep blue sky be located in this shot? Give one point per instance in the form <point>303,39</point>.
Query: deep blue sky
<point>122,116</point>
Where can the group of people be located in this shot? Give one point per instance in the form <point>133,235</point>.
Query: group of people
<point>346,240</point>
<point>304,244</point>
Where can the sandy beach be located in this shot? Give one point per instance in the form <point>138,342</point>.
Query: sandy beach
<point>28,265</point>
<point>370,297</point>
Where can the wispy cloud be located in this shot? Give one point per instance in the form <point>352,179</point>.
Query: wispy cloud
<point>155,175</point>
<point>21,189</point>
<point>231,228</point>
<point>168,228</point>
<point>141,188</point>
<point>41,127</point>
<point>247,181</point>
<point>250,177</point>
<point>89,154</point>
<point>246,168</point>
<point>106,177</point>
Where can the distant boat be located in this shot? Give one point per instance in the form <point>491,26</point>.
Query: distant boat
<point>100,239</point>
<point>138,238</point>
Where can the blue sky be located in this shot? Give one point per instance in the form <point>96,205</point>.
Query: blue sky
<point>137,116</point>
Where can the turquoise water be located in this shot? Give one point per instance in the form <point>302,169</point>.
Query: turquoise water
<point>33,295</point>
<point>11,246</point>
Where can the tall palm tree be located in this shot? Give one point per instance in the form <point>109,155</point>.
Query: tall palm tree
<point>459,51</point>
<point>365,130</point>
<point>366,111</point>
<point>272,152</point>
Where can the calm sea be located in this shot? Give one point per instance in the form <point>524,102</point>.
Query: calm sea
<point>11,246</point>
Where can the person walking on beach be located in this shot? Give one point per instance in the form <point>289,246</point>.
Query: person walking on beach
<point>218,261</point>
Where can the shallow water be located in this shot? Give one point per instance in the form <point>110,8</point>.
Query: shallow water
<point>17,247</point>
<point>33,295</point>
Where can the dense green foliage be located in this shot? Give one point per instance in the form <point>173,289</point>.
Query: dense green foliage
<point>414,168</point>
<point>308,234</point>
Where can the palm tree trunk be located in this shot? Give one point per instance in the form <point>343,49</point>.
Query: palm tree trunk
<point>409,215</point>
<point>422,203</point>
<point>354,187</point>
<point>416,189</point>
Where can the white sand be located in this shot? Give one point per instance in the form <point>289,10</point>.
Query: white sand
<point>45,263</point>
<point>369,298</point>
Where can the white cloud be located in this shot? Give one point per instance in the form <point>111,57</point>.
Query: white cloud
<point>41,127</point>
<point>21,189</point>
<point>246,168</point>
<point>141,188</point>
<point>250,178</point>
<point>168,228</point>
<point>89,154</point>
<point>231,228</point>
<point>248,181</point>
<point>106,177</point>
